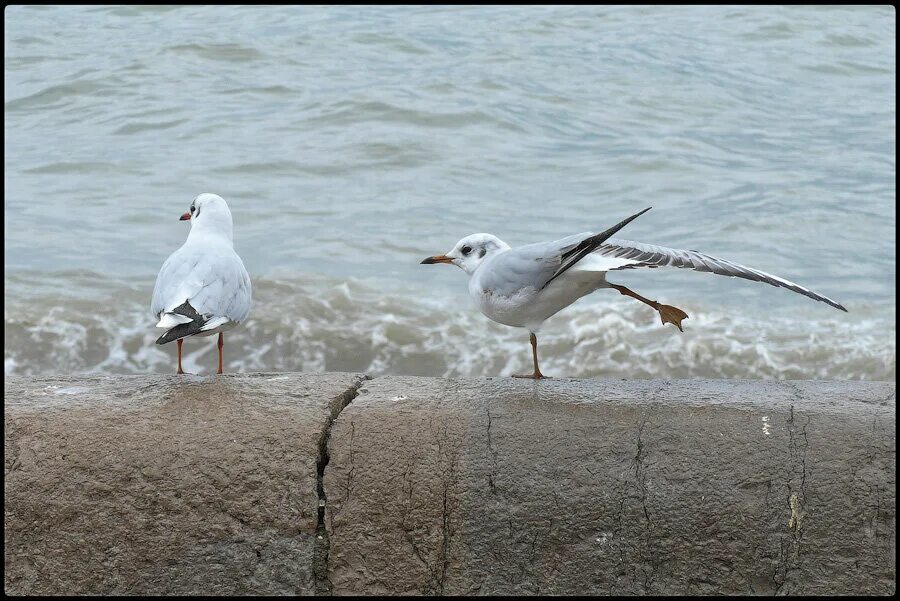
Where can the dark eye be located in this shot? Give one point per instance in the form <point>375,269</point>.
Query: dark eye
<point>466,250</point>
<point>192,208</point>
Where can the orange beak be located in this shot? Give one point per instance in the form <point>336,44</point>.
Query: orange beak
<point>184,217</point>
<point>436,259</point>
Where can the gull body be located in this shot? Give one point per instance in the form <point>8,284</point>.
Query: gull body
<point>203,288</point>
<point>524,286</point>
<point>503,296</point>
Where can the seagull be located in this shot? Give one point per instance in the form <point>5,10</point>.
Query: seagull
<point>202,288</point>
<point>522,287</point>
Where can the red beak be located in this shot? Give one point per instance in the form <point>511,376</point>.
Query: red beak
<point>184,217</point>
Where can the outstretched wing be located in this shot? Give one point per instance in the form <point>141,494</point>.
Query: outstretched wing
<point>638,254</point>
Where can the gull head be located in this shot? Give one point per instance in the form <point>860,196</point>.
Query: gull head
<point>470,252</point>
<point>209,213</point>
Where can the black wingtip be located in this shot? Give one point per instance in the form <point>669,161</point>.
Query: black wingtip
<point>608,233</point>
<point>185,329</point>
<point>168,337</point>
<point>831,303</point>
<point>589,245</point>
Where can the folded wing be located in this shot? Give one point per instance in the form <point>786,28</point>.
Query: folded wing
<point>196,293</point>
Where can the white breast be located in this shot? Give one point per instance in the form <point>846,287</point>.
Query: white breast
<point>529,307</point>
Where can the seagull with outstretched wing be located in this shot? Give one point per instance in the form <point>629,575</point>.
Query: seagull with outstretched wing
<point>524,286</point>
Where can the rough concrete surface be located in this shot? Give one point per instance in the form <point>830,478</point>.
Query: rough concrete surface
<point>505,486</point>
<point>218,485</point>
<point>165,484</point>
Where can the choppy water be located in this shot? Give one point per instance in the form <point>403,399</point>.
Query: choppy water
<point>352,142</point>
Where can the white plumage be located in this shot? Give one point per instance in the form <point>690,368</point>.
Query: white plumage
<point>524,286</point>
<point>203,287</point>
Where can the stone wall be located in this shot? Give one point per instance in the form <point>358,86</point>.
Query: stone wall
<point>337,484</point>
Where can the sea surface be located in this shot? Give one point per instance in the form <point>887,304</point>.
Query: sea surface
<point>351,142</point>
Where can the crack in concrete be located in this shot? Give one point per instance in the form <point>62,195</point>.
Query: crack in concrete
<point>436,559</point>
<point>623,555</point>
<point>321,543</point>
<point>873,459</point>
<point>798,455</point>
<point>795,546</point>
<point>790,559</point>
<point>757,546</point>
<point>639,475</point>
<point>407,532</point>
<point>491,477</point>
<point>644,547</point>
<point>641,481</point>
<point>446,535</point>
<point>448,506</point>
<point>350,460</point>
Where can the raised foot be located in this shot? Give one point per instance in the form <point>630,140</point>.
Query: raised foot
<point>537,376</point>
<point>673,315</point>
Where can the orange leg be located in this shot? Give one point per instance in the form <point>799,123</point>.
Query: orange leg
<point>537,375</point>
<point>667,313</point>
<point>180,342</point>
<point>221,344</point>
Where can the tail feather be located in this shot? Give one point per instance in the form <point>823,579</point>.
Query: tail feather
<point>181,331</point>
<point>170,320</point>
<point>186,322</point>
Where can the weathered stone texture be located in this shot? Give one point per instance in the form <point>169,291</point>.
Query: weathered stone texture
<point>613,487</point>
<point>214,485</point>
<point>164,484</point>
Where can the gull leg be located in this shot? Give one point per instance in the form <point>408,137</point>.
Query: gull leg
<point>537,375</point>
<point>667,313</point>
<point>180,342</point>
<point>221,344</point>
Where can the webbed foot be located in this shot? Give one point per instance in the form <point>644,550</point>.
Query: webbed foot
<point>670,314</point>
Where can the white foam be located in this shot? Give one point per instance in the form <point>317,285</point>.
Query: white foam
<point>315,325</point>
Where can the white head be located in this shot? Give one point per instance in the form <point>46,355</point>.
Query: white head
<point>209,214</point>
<point>470,252</point>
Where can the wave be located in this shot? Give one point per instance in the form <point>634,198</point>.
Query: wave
<point>322,324</point>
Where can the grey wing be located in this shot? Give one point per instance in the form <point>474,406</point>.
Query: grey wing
<point>638,254</point>
<point>214,285</point>
<point>224,288</point>
<point>525,266</point>
<point>169,278</point>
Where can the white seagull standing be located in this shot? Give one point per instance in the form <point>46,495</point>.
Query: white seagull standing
<point>522,287</point>
<point>202,288</point>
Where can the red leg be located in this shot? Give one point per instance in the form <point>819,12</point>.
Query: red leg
<point>221,344</point>
<point>180,342</point>
<point>537,375</point>
<point>667,313</point>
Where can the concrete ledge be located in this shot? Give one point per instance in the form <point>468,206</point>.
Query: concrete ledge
<point>607,487</point>
<point>200,485</point>
<point>165,484</point>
